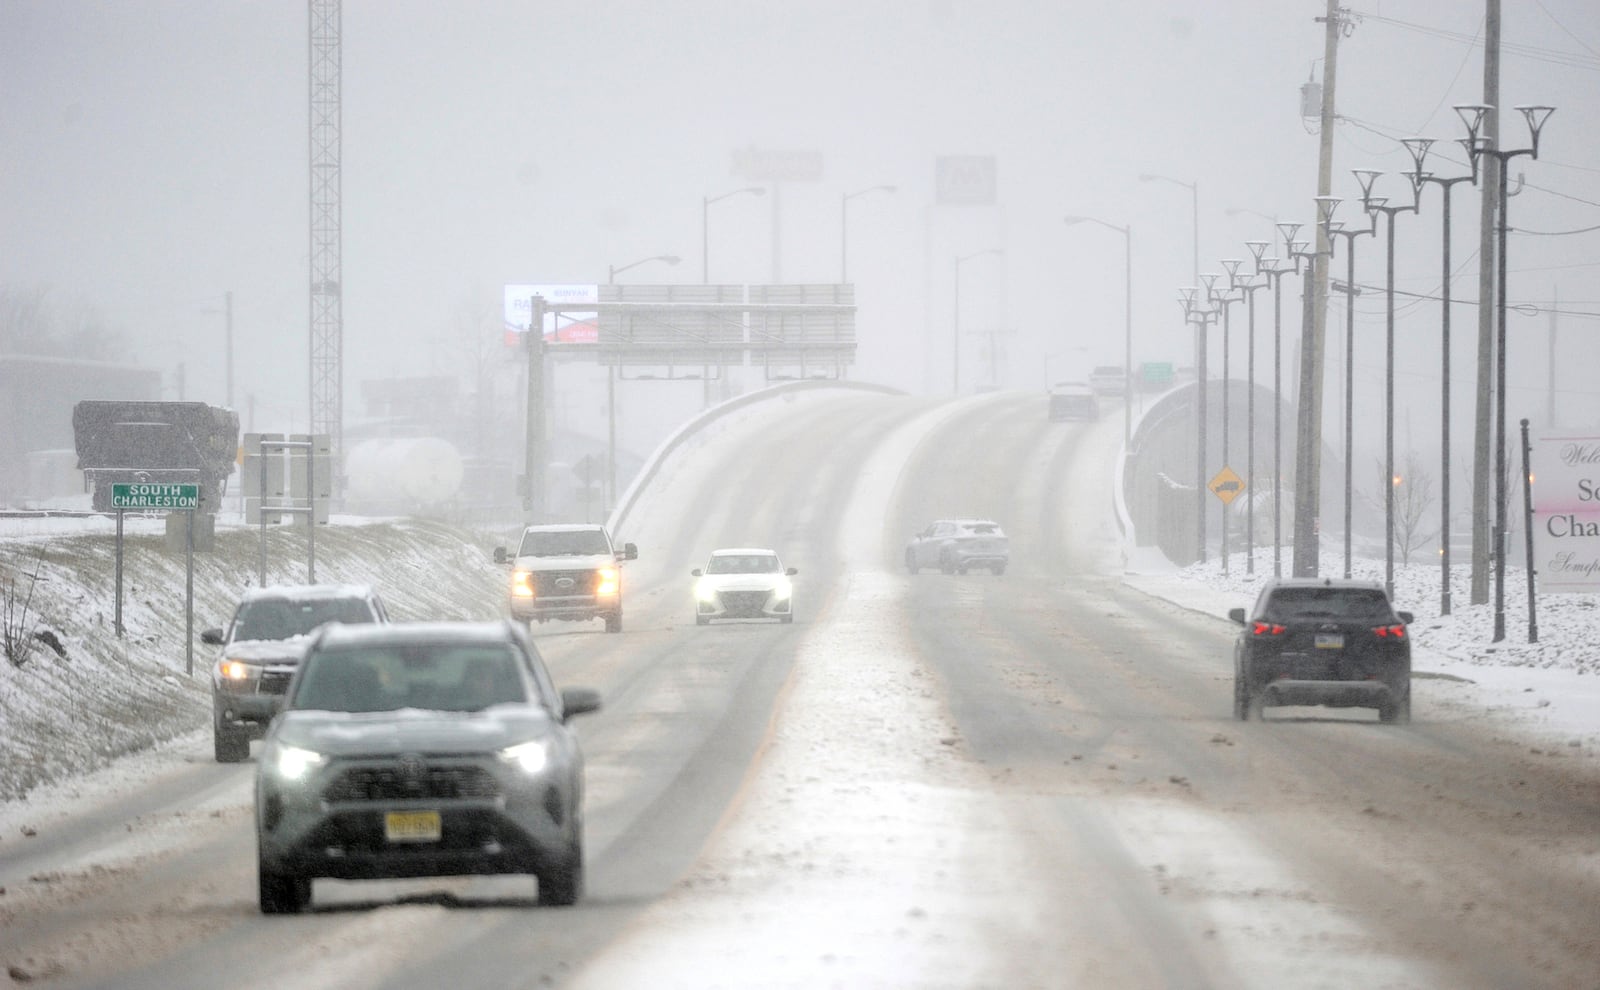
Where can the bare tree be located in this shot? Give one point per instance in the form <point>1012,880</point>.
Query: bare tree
<point>1413,504</point>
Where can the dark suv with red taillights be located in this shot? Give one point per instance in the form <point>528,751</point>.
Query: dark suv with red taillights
<point>1322,641</point>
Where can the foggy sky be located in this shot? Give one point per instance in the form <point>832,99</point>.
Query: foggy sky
<point>154,158</point>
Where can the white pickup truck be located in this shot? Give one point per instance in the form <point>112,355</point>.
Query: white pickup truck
<point>567,571</point>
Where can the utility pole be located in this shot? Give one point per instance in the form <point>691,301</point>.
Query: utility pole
<point>1488,305</point>
<point>1308,451</point>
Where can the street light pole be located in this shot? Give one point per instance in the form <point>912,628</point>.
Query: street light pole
<point>1472,115</point>
<point>1275,269</point>
<point>955,334</point>
<point>611,383</point>
<point>1374,206</point>
<point>1418,146</point>
<point>1201,317</point>
<point>1349,235</point>
<point>1249,286</point>
<point>705,236</point>
<point>1127,313</point>
<point>1223,300</point>
<point>844,219</point>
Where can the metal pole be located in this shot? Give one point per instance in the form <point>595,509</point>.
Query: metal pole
<point>1349,392</point>
<point>955,338</point>
<point>1226,321</point>
<point>1388,417</point>
<point>116,622</point>
<point>1500,535</point>
<point>1527,529</point>
<point>188,592</point>
<point>1444,411</point>
<point>844,240</point>
<point>1277,425</point>
<point>229,346</point>
<point>705,240</point>
<point>1250,438</point>
<point>533,496</point>
<point>1127,336</point>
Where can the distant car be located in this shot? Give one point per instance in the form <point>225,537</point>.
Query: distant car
<point>743,583</point>
<point>1322,641</point>
<point>954,545</point>
<point>421,750</point>
<point>1073,400</point>
<point>1109,379</point>
<point>261,648</point>
<point>570,571</point>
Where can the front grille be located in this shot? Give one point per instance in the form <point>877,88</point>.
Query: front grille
<point>744,601</point>
<point>274,682</point>
<point>549,584</point>
<point>393,783</point>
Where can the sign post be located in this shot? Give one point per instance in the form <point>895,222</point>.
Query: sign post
<point>149,496</point>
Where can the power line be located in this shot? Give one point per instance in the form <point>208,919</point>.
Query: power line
<point>1576,60</point>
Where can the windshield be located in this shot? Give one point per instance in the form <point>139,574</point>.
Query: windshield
<point>564,543</point>
<point>1336,603</point>
<point>433,676</point>
<point>753,563</point>
<point>283,618</point>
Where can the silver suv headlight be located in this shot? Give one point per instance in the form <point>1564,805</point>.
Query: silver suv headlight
<point>529,757</point>
<point>292,763</point>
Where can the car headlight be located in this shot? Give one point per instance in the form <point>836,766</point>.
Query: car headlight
<point>294,763</point>
<point>521,584</point>
<point>782,589</point>
<point>705,591</point>
<point>605,581</point>
<point>237,670</point>
<point>529,757</point>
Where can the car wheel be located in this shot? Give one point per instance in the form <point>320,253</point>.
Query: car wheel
<point>701,620</point>
<point>911,563</point>
<point>1396,712</point>
<point>947,565</point>
<point>786,618</point>
<point>998,569</point>
<point>1241,700</point>
<point>614,623</point>
<point>282,893</point>
<point>562,884</point>
<point>230,745</point>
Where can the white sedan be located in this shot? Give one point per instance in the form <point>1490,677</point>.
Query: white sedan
<point>743,583</point>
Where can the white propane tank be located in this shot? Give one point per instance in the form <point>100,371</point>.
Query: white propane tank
<point>424,470</point>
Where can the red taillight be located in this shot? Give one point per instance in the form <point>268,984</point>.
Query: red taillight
<point>1267,629</point>
<point>1390,632</point>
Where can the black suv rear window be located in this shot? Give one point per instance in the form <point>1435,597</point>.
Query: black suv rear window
<point>1330,603</point>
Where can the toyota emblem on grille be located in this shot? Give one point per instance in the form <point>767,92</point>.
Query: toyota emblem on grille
<point>566,584</point>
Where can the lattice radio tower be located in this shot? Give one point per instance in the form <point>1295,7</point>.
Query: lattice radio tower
<point>327,315</point>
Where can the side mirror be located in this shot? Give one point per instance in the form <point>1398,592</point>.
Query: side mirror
<point>695,573</point>
<point>630,552</point>
<point>1237,615</point>
<point>211,637</point>
<point>1407,617</point>
<point>578,701</point>
<point>499,555</point>
<point>792,571</point>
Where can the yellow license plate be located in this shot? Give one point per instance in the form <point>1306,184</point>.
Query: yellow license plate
<point>412,826</point>
<point>1330,641</point>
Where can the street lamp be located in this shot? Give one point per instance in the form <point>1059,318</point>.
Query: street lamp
<point>1349,234</point>
<point>1127,312</point>
<point>955,334</point>
<point>1248,286</point>
<point>1274,269</point>
<point>1418,146</point>
<point>1223,301</point>
<point>1373,206</point>
<point>1194,193</point>
<point>1200,316</point>
<point>705,237</point>
<point>612,271</point>
<point>844,219</point>
<point>1473,116</point>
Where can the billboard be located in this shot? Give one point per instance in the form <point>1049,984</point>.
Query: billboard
<point>559,328</point>
<point>1566,511</point>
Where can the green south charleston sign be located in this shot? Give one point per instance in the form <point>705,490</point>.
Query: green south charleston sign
<point>155,496</point>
